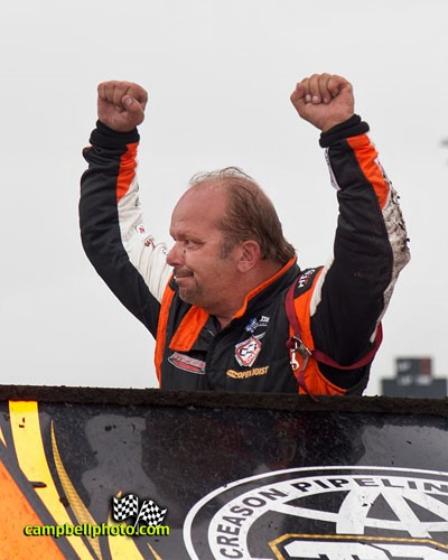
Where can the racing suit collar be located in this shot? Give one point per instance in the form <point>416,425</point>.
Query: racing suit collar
<point>261,287</point>
<point>196,318</point>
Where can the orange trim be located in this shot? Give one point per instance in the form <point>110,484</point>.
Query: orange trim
<point>188,330</point>
<point>165,305</point>
<point>16,513</point>
<point>315,382</point>
<point>263,286</point>
<point>126,173</point>
<point>195,319</point>
<point>366,155</point>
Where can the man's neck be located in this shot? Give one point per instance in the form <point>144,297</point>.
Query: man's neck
<point>250,282</point>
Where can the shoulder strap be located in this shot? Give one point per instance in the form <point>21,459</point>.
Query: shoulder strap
<point>295,343</point>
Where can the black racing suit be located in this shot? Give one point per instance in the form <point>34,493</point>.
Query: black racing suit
<point>339,306</point>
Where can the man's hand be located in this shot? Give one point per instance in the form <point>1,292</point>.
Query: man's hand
<point>121,105</point>
<point>324,100</point>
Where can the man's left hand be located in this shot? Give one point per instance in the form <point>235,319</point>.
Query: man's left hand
<point>324,100</point>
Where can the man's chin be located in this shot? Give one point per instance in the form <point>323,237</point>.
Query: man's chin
<point>188,296</point>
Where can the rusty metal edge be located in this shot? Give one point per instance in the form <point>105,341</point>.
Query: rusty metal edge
<point>210,399</point>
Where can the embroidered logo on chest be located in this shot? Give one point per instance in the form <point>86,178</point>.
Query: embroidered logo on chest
<point>246,352</point>
<point>185,363</point>
<point>247,373</point>
<point>255,324</point>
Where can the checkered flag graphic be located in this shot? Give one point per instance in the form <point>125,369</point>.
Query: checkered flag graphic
<point>151,514</point>
<point>125,507</point>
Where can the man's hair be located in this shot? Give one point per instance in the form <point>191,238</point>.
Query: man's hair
<point>250,214</point>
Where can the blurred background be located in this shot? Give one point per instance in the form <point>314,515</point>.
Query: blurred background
<point>219,76</point>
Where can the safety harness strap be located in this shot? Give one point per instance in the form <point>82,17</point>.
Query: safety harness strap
<point>296,346</point>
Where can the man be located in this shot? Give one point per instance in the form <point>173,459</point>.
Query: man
<point>217,303</point>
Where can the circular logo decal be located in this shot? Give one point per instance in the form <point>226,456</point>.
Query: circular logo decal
<point>324,513</point>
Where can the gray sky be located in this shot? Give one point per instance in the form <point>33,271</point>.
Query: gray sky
<point>219,75</point>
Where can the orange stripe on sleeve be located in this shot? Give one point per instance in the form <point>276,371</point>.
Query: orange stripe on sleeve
<point>126,173</point>
<point>366,155</point>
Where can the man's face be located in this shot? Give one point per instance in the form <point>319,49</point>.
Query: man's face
<point>203,275</point>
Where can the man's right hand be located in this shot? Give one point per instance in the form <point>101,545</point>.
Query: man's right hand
<point>324,100</point>
<point>121,105</point>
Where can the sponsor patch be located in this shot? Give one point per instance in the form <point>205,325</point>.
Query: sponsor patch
<point>248,373</point>
<point>305,278</point>
<point>148,240</point>
<point>246,352</point>
<point>254,324</point>
<point>324,513</point>
<point>140,229</point>
<point>186,363</point>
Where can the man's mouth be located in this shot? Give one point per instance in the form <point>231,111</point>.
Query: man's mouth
<point>179,274</point>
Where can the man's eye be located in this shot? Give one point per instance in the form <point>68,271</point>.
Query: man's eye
<point>191,244</point>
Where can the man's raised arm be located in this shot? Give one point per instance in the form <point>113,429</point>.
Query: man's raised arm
<point>353,290</point>
<point>113,235</point>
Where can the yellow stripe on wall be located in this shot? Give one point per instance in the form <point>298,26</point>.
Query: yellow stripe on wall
<point>121,546</point>
<point>154,553</point>
<point>28,443</point>
<point>80,510</point>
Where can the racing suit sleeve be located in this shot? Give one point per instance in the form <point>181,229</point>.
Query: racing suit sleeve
<point>370,249</point>
<point>112,231</point>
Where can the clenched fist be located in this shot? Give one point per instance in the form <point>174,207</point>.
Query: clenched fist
<point>324,100</point>
<point>121,105</point>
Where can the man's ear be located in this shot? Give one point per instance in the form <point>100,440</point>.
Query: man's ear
<point>250,255</point>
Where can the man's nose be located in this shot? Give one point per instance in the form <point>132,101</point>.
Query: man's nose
<point>175,255</point>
